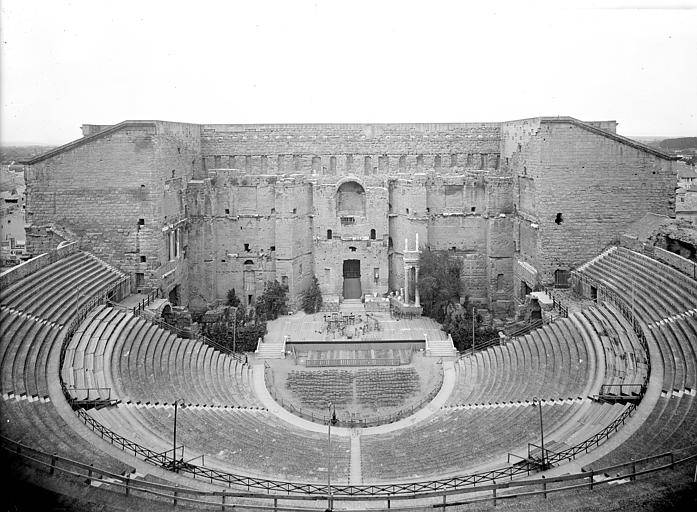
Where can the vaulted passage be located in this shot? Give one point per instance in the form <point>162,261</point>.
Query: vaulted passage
<point>352,279</point>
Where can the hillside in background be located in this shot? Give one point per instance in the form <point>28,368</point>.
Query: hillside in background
<point>10,154</point>
<point>679,143</point>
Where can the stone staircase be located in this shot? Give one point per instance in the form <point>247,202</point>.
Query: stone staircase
<point>354,306</point>
<point>598,257</point>
<point>271,349</point>
<point>441,348</point>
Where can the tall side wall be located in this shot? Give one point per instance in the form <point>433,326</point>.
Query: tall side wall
<point>577,188</point>
<point>118,193</point>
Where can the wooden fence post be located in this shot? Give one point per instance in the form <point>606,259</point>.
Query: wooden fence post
<point>128,484</point>
<point>590,481</point>
<point>53,463</point>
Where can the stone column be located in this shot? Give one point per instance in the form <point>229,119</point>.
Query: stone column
<point>406,284</point>
<point>417,303</point>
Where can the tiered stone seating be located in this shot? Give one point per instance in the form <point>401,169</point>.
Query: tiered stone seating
<point>625,360</point>
<point>37,424</point>
<point>656,290</point>
<point>55,292</point>
<point>663,301</point>
<point>455,439</point>
<point>36,307</point>
<point>250,441</point>
<point>143,363</point>
<point>34,310</point>
<point>550,362</point>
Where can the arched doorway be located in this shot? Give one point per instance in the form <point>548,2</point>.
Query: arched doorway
<point>352,279</point>
<point>167,315</point>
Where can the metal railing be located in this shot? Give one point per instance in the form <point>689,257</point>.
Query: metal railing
<point>623,389</point>
<point>197,336</point>
<point>112,293</point>
<point>606,293</point>
<point>492,342</point>
<point>85,474</point>
<point>557,303</point>
<point>390,491</point>
<point>144,303</point>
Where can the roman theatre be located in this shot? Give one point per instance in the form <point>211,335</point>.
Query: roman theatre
<point>114,396</point>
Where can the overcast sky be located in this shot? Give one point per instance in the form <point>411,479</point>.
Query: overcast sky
<point>65,63</point>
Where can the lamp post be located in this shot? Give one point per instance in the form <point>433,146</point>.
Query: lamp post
<point>234,331</point>
<point>174,440</point>
<point>332,421</point>
<point>542,433</point>
<point>474,319</point>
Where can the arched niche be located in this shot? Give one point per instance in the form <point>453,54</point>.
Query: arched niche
<point>350,199</point>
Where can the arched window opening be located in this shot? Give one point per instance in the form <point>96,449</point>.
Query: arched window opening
<point>372,234</point>
<point>329,234</point>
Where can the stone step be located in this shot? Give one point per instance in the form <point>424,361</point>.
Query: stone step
<point>441,348</point>
<point>269,350</point>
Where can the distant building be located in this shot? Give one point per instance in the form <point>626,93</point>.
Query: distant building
<point>12,234</point>
<point>686,193</point>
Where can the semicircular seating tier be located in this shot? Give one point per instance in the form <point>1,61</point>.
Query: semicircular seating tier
<point>147,368</point>
<point>34,313</point>
<point>567,359</point>
<point>144,364</point>
<point>664,303</point>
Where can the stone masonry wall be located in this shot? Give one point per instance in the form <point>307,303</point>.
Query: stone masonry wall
<point>248,230</point>
<point>337,149</point>
<point>598,182</point>
<point>250,203</point>
<point>108,191</point>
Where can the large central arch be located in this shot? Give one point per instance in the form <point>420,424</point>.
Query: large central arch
<point>350,199</point>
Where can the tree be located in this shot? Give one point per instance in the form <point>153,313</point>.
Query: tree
<point>439,282</point>
<point>312,297</point>
<point>247,334</point>
<point>232,298</point>
<point>458,323</point>
<point>273,302</point>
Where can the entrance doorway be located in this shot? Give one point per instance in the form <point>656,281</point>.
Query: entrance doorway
<point>174,296</point>
<point>352,279</point>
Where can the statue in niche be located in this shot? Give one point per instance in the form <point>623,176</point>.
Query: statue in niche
<point>262,258</point>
